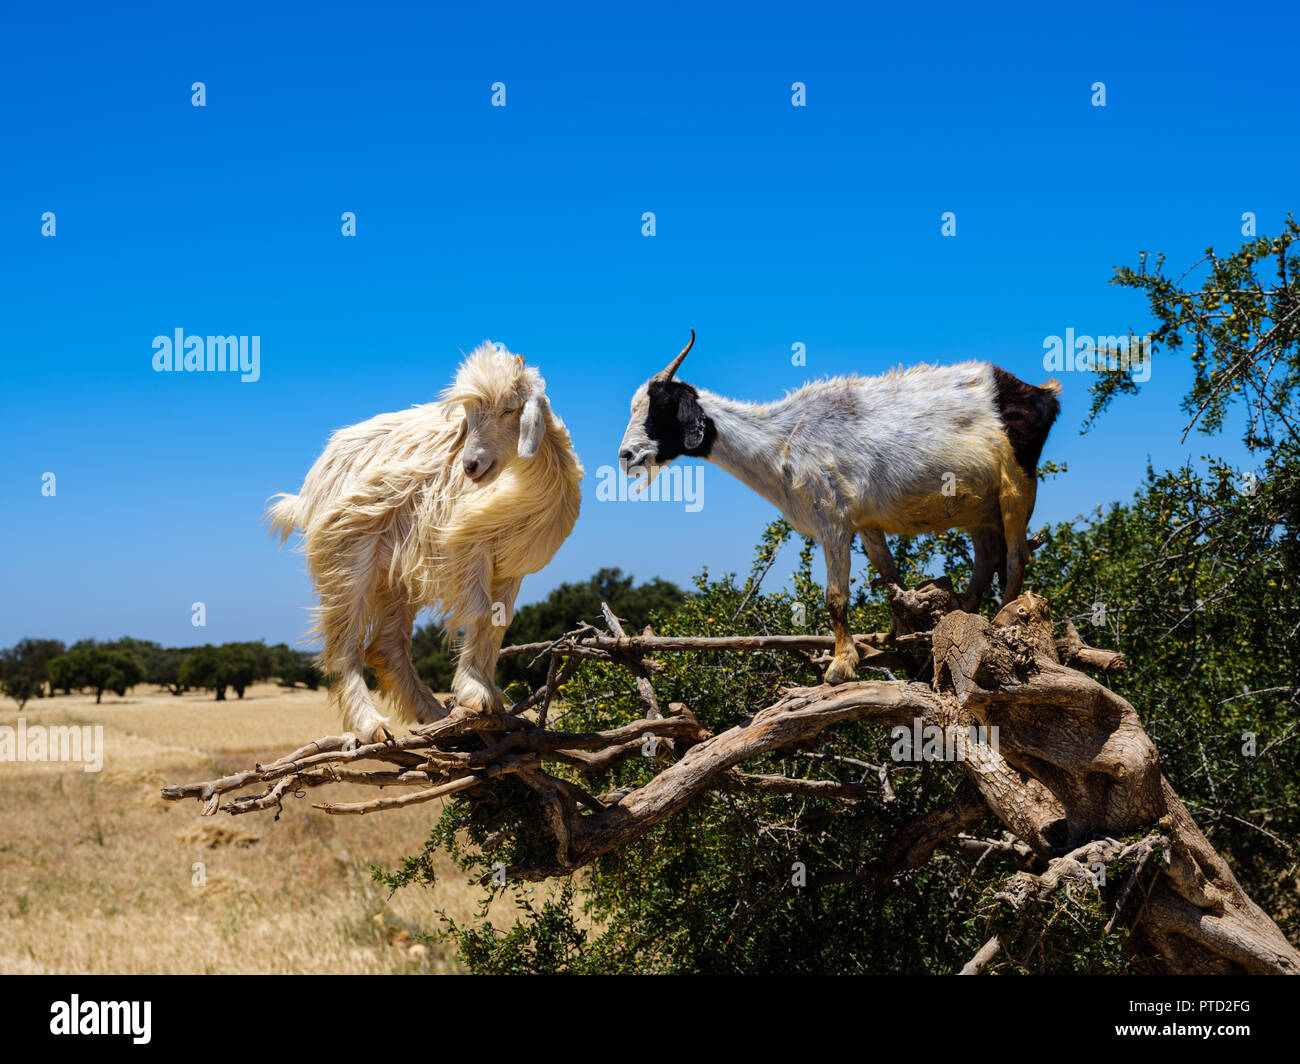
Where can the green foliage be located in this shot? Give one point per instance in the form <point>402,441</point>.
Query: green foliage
<point>1242,328</point>
<point>233,665</point>
<point>20,686</point>
<point>431,653</point>
<point>24,668</point>
<point>293,667</point>
<point>100,668</point>
<point>164,668</point>
<point>203,667</point>
<point>558,613</point>
<point>241,667</point>
<point>161,664</point>
<point>1068,935</point>
<point>1196,582</point>
<point>545,940</point>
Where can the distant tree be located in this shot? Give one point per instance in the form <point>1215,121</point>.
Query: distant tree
<point>203,667</point>
<point>293,667</point>
<point>161,664</point>
<point>100,668</point>
<point>233,665</point>
<point>143,649</point>
<point>68,671</point>
<point>241,664</point>
<point>433,657</point>
<point>25,668</point>
<point>165,669</point>
<point>20,687</point>
<point>261,658</point>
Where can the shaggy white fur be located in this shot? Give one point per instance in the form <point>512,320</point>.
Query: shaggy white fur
<point>447,505</point>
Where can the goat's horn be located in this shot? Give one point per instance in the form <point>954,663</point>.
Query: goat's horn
<point>667,374</point>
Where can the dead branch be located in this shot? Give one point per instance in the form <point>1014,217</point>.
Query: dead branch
<point>768,784</point>
<point>980,961</point>
<point>635,665</point>
<point>603,647</point>
<point>523,747</point>
<point>913,846</point>
<point>1073,652</point>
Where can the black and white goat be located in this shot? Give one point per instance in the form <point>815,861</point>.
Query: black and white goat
<point>918,450</point>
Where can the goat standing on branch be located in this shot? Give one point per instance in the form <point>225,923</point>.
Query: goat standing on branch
<point>447,505</point>
<point>919,450</point>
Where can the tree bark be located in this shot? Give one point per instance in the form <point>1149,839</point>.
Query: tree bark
<point>1074,764</point>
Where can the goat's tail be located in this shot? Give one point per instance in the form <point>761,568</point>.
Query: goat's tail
<point>1051,387</point>
<point>284,515</point>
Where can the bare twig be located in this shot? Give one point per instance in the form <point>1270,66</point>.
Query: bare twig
<point>980,961</point>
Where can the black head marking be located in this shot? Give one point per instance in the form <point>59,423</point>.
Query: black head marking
<point>676,423</point>
<point>1027,413</point>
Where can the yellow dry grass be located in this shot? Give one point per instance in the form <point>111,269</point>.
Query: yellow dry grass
<point>99,874</point>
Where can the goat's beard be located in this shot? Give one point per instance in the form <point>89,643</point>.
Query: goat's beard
<point>650,471</point>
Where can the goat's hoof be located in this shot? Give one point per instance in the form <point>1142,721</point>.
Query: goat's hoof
<point>841,672</point>
<point>378,732</point>
<point>480,697</point>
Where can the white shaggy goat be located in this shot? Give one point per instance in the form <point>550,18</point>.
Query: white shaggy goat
<point>446,505</point>
<point>917,450</point>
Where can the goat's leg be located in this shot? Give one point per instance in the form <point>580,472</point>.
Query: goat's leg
<point>389,655</point>
<point>990,557</point>
<point>877,548</point>
<point>839,558</point>
<point>347,597</point>
<point>357,708</point>
<point>1016,500</point>
<point>474,685</point>
<point>504,593</point>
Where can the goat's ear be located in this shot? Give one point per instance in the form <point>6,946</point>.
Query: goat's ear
<point>691,419</point>
<point>532,425</point>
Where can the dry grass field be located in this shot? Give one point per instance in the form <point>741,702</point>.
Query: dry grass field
<point>97,871</point>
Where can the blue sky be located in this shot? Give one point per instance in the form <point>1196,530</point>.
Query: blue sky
<point>775,225</point>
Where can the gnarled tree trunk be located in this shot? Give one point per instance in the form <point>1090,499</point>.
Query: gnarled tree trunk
<point>1073,765</point>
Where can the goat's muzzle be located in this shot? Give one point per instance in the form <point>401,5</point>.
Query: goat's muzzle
<point>476,471</point>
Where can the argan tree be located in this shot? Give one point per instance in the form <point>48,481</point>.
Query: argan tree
<point>701,802</point>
